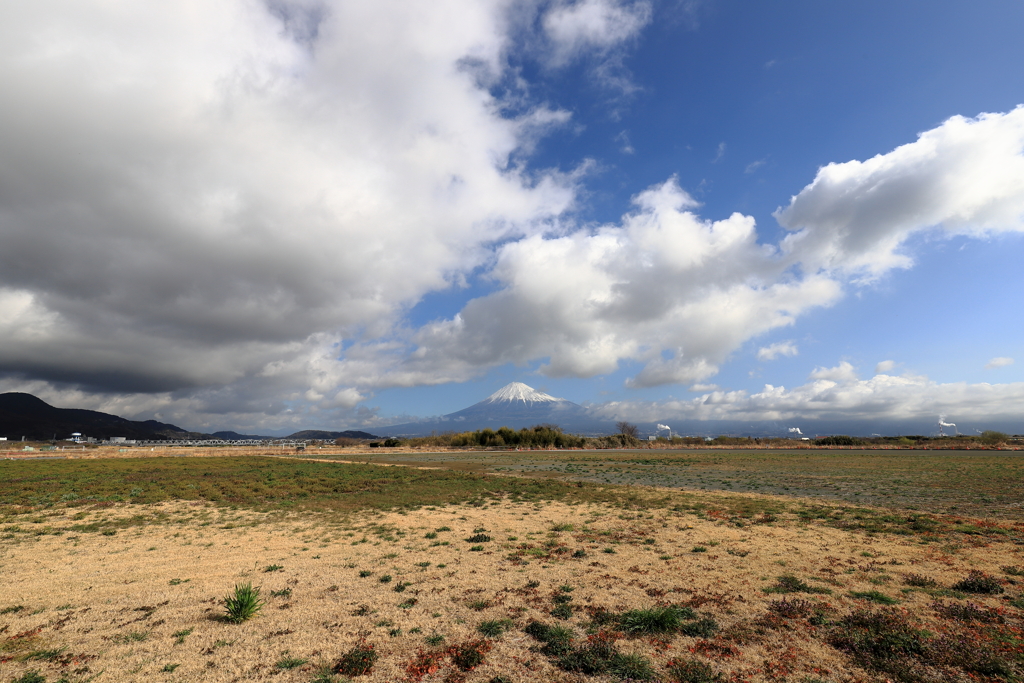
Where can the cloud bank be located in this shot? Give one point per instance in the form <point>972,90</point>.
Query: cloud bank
<point>881,399</point>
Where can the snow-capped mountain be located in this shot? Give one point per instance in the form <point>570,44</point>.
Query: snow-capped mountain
<point>517,391</point>
<point>515,405</point>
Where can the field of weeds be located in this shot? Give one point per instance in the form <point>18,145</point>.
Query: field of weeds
<point>250,569</point>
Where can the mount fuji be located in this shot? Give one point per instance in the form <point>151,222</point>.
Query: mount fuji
<point>515,405</point>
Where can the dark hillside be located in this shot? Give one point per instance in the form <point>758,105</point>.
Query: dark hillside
<point>36,420</point>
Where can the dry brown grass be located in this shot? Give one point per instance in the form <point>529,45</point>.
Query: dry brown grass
<point>117,608</point>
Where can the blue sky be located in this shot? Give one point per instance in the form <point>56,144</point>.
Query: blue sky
<point>312,214</point>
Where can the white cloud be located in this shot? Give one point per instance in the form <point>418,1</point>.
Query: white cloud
<point>664,288</point>
<point>703,387</point>
<point>581,27</point>
<point>773,351</point>
<point>882,398</point>
<point>965,176</point>
<point>754,165</point>
<point>843,373</point>
<point>884,367</point>
<point>1000,362</point>
<point>719,153</point>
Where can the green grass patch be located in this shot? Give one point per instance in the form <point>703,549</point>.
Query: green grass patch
<point>243,604</point>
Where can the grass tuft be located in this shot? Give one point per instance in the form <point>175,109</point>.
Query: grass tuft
<point>358,661</point>
<point>791,584</point>
<point>874,596</point>
<point>494,628</point>
<point>289,662</point>
<point>30,677</point>
<point>243,604</point>
<point>655,620</point>
<point>692,671</point>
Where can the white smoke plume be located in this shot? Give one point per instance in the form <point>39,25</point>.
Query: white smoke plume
<point>661,426</point>
<point>795,430</point>
<point>943,423</point>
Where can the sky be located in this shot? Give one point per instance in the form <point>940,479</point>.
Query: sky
<point>272,215</point>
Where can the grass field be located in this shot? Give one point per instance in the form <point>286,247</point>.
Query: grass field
<point>117,569</point>
<point>982,483</point>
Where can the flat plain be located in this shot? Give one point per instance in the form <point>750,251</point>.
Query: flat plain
<point>803,566</point>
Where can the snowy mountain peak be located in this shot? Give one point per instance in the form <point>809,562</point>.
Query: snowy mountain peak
<point>517,391</point>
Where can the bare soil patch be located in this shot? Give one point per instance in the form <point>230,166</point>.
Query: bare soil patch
<point>139,595</point>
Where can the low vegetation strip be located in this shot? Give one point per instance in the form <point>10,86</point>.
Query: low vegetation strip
<point>282,485</point>
<point>260,482</point>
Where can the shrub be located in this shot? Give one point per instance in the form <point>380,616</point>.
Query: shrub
<point>871,636</point>
<point>631,667</point>
<point>468,656</point>
<point>563,611</point>
<point>243,604</point>
<point>591,659</point>
<point>838,440</point>
<point>273,568</point>
<point>919,581</point>
<point>494,628</point>
<point>702,628</point>
<point>478,538</point>
<point>654,620</point>
<point>790,584</point>
<point>363,573</point>
<point>579,553</point>
<point>357,662</point>
<point>691,671</point>
<point>964,653</point>
<point>991,437</point>
<point>967,612</point>
<point>561,599</point>
<point>791,609</point>
<point>1013,570</point>
<point>557,639</point>
<point>979,582</point>
<point>385,579</point>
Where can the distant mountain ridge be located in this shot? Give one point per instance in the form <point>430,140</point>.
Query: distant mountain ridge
<point>25,415</point>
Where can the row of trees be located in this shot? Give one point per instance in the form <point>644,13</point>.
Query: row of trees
<point>552,436</point>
